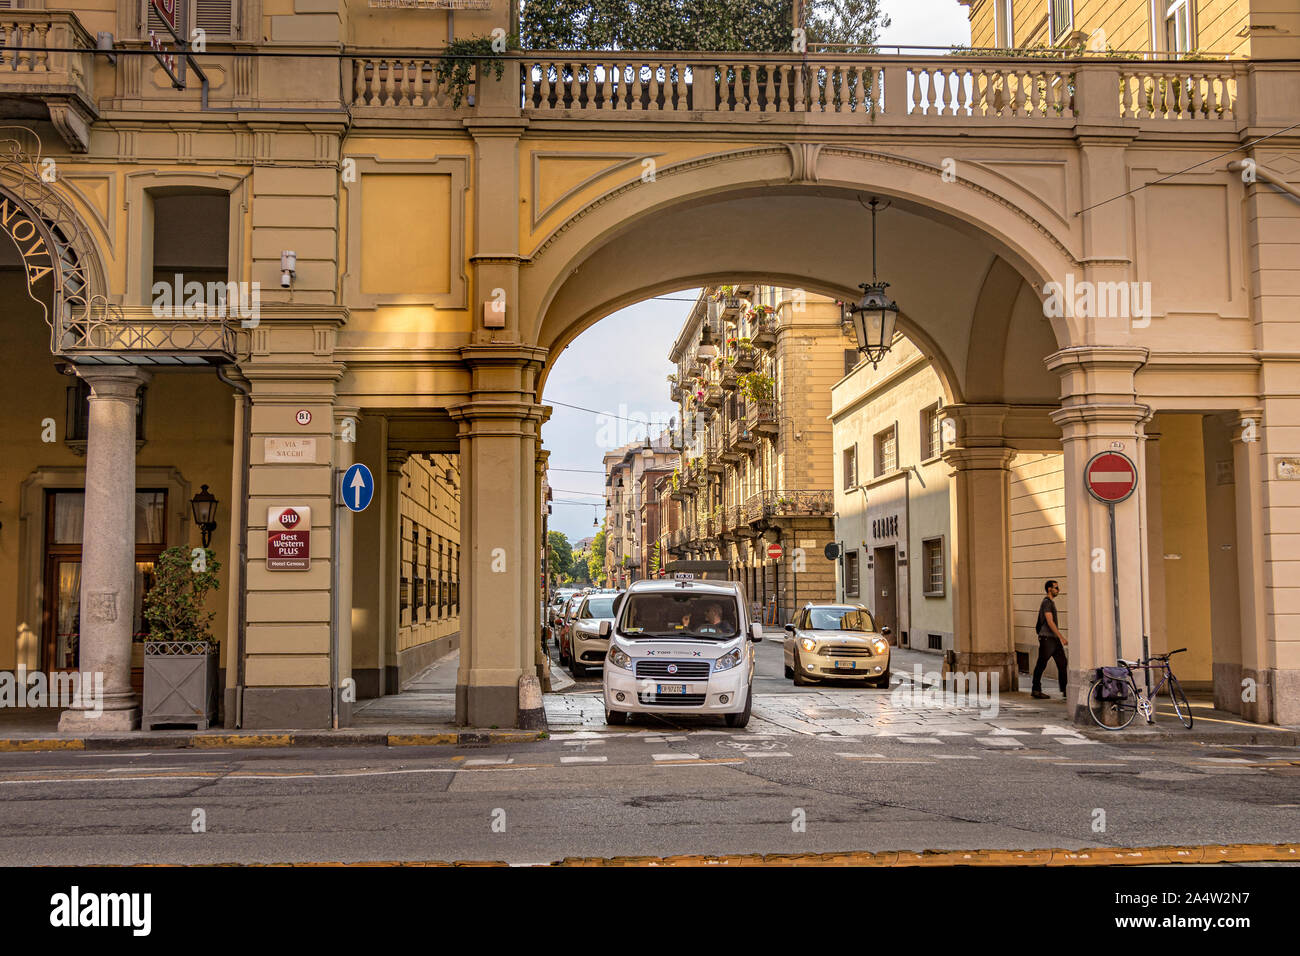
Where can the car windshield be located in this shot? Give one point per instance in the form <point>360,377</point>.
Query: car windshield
<point>600,606</point>
<point>839,619</point>
<point>681,614</point>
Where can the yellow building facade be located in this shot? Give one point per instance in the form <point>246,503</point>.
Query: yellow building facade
<point>1236,28</point>
<point>424,248</point>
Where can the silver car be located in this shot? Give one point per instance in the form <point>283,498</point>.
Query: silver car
<point>587,647</point>
<point>836,641</point>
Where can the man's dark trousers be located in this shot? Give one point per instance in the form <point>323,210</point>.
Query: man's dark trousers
<point>1050,648</point>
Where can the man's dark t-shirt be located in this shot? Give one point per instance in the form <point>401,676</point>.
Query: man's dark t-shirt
<point>1048,606</point>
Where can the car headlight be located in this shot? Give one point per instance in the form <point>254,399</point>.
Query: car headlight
<point>618,658</point>
<point>727,661</point>
<point>881,646</point>
<point>807,643</point>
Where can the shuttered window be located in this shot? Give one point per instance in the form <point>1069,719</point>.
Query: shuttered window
<point>217,18</point>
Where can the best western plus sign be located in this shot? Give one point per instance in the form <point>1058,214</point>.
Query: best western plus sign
<point>288,539</point>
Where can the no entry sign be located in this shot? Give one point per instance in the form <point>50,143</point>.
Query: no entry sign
<point>774,551</point>
<point>1110,477</point>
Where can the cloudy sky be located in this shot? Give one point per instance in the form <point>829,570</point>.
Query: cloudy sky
<point>601,373</point>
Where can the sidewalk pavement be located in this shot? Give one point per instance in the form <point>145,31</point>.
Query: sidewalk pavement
<point>424,714</point>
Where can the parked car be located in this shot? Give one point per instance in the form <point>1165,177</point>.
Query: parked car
<point>586,646</point>
<point>680,647</point>
<point>564,622</point>
<point>839,641</point>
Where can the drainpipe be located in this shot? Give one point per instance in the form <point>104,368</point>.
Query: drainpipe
<point>242,577</point>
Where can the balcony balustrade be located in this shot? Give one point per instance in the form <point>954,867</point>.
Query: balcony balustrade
<point>47,70</point>
<point>762,416</point>
<point>847,89</point>
<point>746,358</point>
<point>783,503</point>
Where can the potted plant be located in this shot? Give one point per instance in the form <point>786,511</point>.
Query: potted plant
<point>180,654</point>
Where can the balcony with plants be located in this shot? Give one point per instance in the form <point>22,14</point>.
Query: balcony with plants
<point>762,326</point>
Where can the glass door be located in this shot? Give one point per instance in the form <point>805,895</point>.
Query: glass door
<point>64,524</point>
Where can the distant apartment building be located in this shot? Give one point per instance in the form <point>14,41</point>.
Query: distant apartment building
<point>626,556</point>
<point>754,368</point>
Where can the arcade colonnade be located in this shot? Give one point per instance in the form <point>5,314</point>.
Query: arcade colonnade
<point>550,225</point>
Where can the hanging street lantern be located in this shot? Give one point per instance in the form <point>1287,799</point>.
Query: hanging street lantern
<point>875,316</point>
<point>204,506</point>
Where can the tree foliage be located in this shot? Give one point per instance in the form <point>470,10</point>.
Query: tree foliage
<point>596,563</point>
<point>561,554</point>
<point>853,23</point>
<point>665,25</point>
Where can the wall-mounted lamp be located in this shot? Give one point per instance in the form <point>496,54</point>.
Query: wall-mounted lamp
<point>204,506</point>
<point>288,268</point>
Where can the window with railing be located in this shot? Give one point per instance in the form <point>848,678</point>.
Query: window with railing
<point>931,432</point>
<point>886,450</point>
<point>851,467</point>
<point>932,569</point>
<point>218,19</point>
<point>1061,18</point>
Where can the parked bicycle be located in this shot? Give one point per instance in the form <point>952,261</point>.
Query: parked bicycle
<point>1114,698</point>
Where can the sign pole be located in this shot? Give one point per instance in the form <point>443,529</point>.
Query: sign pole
<point>1114,581</point>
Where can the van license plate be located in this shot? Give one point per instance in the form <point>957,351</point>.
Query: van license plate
<point>846,665</point>
<point>672,689</point>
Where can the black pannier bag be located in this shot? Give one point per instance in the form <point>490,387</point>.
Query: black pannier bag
<point>1114,683</point>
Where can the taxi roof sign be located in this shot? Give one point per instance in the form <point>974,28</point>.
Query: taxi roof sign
<point>683,576</point>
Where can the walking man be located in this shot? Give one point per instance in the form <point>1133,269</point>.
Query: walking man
<point>1051,642</point>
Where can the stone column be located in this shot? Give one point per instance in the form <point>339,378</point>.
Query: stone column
<point>108,549</point>
<point>390,670</point>
<point>984,632</point>
<point>499,432</point>
<point>346,423</point>
<point>1100,412</point>
<point>1257,651</point>
<point>543,662</point>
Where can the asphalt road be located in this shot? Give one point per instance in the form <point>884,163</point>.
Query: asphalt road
<point>646,792</point>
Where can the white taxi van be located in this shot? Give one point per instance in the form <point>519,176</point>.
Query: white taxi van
<point>684,646</point>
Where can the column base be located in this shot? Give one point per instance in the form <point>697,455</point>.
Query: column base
<point>1002,663</point>
<point>1283,695</point>
<point>487,705</point>
<point>286,708</point>
<point>106,722</point>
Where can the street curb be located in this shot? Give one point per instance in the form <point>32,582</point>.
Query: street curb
<point>1093,856</point>
<point>1265,736</point>
<point>210,741</point>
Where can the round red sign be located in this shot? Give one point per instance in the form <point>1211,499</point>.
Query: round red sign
<point>1110,477</point>
<point>289,517</point>
<point>774,551</point>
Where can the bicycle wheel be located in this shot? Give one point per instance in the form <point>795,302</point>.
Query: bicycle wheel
<point>1181,707</point>
<point>1109,714</point>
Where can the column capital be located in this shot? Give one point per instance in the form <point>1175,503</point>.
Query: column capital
<point>979,458</point>
<point>519,419</point>
<point>1101,419</point>
<point>113,381</point>
<point>1246,425</point>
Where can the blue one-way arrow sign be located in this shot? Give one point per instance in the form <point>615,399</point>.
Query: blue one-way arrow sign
<point>358,487</point>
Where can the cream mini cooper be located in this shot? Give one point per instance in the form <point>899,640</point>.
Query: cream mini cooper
<point>838,641</point>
